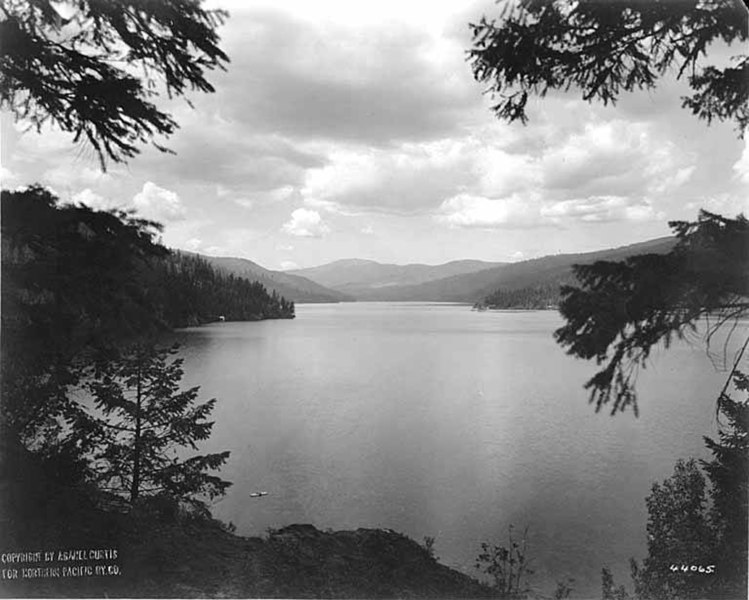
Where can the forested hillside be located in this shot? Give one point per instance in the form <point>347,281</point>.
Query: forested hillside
<point>70,272</point>
<point>193,292</point>
<point>529,298</point>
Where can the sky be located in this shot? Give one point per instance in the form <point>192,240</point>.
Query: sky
<point>356,130</point>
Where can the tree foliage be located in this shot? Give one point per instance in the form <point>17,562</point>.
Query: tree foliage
<point>141,420</point>
<point>191,291</point>
<point>529,298</point>
<point>728,472</point>
<point>92,68</point>
<point>70,284</point>
<point>80,284</point>
<point>679,534</point>
<point>697,519</point>
<point>605,48</point>
<point>609,591</point>
<point>507,566</point>
<point>623,309</point>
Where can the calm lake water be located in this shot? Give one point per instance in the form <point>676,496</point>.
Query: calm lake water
<point>435,420</point>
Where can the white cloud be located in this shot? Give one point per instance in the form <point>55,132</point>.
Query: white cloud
<point>500,173</point>
<point>7,178</point>
<point>518,211</point>
<point>741,166</point>
<point>668,183</point>
<point>724,204</point>
<point>287,265</point>
<point>465,210</point>
<point>160,204</point>
<point>406,179</point>
<point>66,176</point>
<point>368,230</point>
<point>244,202</point>
<point>94,200</point>
<point>252,198</point>
<point>601,209</point>
<point>193,244</point>
<point>614,157</point>
<point>305,223</point>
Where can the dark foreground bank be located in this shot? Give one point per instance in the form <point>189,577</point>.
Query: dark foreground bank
<point>60,541</point>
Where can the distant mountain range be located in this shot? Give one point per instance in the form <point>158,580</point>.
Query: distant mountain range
<point>291,287</point>
<point>370,280</point>
<point>461,281</point>
<point>457,281</point>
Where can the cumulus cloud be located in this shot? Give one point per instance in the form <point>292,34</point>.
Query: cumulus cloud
<point>518,211</point>
<point>305,223</point>
<point>465,210</point>
<point>94,200</point>
<point>499,172</point>
<point>599,159</point>
<point>406,179</point>
<point>614,158</point>
<point>154,202</point>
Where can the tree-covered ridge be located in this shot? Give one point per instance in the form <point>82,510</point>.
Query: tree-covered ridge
<point>529,298</point>
<point>192,292</point>
<point>82,276</point>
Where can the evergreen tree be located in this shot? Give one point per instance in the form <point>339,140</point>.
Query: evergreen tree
<point>621,310</point>
<point>73,62</point>
<point>77,286</point>
<point>72,286</point>
<point>697,534</point>
<point>728,472</point>
<point>605,48</point>
<point>142,420</point>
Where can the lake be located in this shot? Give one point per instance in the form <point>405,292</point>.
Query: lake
<point>435,420</point>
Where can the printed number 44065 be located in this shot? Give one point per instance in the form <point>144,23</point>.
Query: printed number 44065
<point>692,568</point>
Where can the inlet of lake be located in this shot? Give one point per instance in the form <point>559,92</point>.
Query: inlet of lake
<point>436,420</point>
